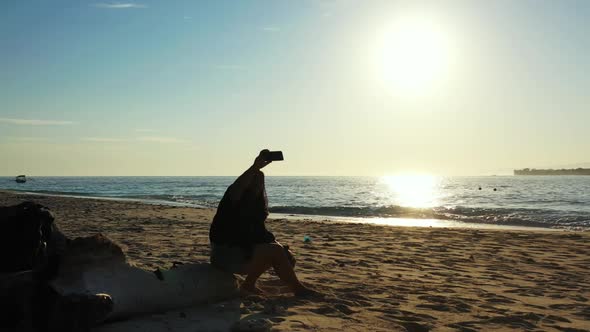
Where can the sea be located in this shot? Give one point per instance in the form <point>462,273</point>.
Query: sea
<point>536,201</point>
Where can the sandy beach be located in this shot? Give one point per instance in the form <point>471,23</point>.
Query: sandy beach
<point>375,278</point>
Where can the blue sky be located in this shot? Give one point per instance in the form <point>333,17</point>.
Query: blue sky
<point>197,88</point>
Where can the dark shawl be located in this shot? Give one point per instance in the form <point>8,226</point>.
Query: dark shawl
<point>241,222</point>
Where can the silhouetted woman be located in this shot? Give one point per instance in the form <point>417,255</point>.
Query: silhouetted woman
<point>240,242</point>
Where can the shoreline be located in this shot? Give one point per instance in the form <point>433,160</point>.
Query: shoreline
<point>382,221</point>
<point>413,222</point>
<point>106,198</point>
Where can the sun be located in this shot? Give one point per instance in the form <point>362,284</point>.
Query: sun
<point>413,55</point>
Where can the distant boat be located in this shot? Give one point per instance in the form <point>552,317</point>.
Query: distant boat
<point>21,179</point>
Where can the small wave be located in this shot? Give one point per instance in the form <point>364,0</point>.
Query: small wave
<point>518,217</point>
<point>193,200</point>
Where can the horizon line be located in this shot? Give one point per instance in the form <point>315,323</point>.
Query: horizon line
<point>305,175</point>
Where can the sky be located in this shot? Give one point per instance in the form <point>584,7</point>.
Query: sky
<point>160,87</point>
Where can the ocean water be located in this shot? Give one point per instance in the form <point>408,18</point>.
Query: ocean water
<point>541,201</point>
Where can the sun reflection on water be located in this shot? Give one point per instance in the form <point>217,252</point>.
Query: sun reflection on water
<point>419,191</point>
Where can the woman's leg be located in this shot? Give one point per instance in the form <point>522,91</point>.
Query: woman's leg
<point>271,255</point>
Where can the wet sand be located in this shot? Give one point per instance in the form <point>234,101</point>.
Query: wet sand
<point>376,278</point>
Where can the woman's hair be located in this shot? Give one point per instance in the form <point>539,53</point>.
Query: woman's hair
<point>255,194</point>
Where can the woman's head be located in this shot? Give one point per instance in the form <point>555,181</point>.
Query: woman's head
<point>254,199</point>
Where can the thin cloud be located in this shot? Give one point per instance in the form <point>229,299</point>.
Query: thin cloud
<point>145,130</point>
<point>159,139</point>
<point>28,139</point>
<point>230,67</point>
<point>34,122</point>
<point>330,8</point>
<point>102,139</point>
<point>119,5</point>
<point>271,29</point>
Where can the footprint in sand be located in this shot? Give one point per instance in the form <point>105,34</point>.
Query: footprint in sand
<point>521,321</point>
<point>251,325</point>
<point>442,303</point>
<point>581,310</point>
<point>414,327</point>
<point>334,310</point>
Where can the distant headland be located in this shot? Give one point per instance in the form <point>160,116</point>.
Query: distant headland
<point>563,171</point>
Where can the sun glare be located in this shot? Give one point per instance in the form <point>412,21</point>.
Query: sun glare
<point>413,55</point>
<point>412,190</point>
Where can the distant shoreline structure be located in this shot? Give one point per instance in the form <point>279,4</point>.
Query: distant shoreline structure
<point>563,171</point>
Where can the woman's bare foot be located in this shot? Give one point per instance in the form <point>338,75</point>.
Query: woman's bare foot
<point>307,292</point>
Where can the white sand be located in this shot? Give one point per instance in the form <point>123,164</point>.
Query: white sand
<point>376,278</point>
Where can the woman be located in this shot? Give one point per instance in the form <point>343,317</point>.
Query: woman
<point>240,242</point>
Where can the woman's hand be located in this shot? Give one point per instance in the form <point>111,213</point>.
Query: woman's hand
<point>236,190</point>
<point>260,162</point>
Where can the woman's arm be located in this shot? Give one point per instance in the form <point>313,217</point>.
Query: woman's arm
<point>236,190</point>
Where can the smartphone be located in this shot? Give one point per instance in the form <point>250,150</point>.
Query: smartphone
<point>274,156</point>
